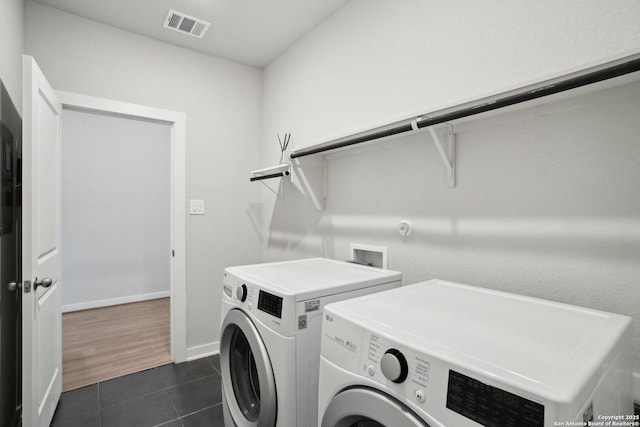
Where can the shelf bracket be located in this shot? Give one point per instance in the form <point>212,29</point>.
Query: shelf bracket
<point>278,171</point>
<point>447,153</point>
<point>277,192</point>
<point>311,174</point>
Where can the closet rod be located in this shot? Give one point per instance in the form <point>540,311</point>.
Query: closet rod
<point>272,175</point>
<point>551,88</point>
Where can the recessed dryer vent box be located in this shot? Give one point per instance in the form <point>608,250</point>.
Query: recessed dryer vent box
<point>374,256</point>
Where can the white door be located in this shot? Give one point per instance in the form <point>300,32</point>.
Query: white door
<point>41,302</point>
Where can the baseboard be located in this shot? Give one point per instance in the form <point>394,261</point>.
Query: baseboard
<point>204,350</point>
<point>636,388</point>
<point>114,301</point>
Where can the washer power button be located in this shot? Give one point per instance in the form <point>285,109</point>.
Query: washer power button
<point>419,394</point>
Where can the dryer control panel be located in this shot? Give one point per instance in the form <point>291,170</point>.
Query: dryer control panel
<point>402,368</point>
<point>489,406</point>
<point>426,381</point>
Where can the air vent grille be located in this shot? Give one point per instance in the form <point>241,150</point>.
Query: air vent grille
<point>174,20</point>
<point>185,24</point>
<point>199,29</point>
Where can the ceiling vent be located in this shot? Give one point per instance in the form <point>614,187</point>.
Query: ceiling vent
<point>186,24</point>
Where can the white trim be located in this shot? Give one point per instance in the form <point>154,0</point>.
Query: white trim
<point>636,388</point>
<point>177,121</point>
<point>114,301</point>
<point>91,103</point>
<point>205,350</point>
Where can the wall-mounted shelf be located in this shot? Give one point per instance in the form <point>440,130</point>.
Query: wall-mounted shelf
<point>311,171</point>
<point>564,83</point>
<point>277,171</point>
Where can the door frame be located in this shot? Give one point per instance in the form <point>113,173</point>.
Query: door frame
<point>177,122</point>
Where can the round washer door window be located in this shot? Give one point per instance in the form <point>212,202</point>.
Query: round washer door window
<point>364,407</point>
<point>244,376</point>
<point>247,376</point>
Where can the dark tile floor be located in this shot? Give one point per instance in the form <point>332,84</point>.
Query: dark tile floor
<point>183,395</point>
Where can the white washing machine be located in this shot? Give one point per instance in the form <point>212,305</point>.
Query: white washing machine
<point>270,335</point>
<point>444,354</point>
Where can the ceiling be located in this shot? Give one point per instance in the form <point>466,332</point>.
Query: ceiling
<point>252,32</point>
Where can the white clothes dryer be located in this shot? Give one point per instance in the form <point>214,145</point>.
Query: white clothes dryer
<point>270,335</point>
<point>441,354</point>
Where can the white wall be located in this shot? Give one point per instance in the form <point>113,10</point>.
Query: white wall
<point>116,201</point>
<point>377,61</point>
<point>11,46</point>
<point>222,103</point>
<point>547,202</point>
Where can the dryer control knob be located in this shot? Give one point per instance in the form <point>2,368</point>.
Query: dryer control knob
<point>241,293</point>
<point>394,366</point>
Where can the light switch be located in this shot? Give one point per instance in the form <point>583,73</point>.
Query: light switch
<point>196,207</point>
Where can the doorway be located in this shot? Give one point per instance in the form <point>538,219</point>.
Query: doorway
<point>124,242</point>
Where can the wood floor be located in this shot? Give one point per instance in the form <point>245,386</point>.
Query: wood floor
<point>109,342</point>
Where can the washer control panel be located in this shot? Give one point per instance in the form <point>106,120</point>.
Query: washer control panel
<point>238,291</point>
<point>278,312</point>
<point>270,303</point>
<point>400,368</point>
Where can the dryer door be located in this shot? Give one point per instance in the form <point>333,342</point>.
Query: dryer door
<point>247,376</point>
<point>365,407</point>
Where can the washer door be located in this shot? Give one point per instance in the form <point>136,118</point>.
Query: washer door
<point>247,376</point>
<point>365,407</point>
